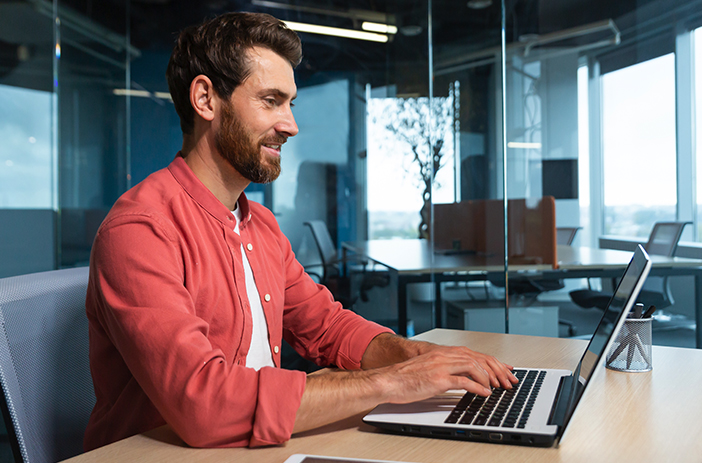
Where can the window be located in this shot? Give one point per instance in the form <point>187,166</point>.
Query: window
<point>584,154</point>
<point>25,151</point>
<point>399,162</point>
<point>698,129</point>
<point>639,147</point>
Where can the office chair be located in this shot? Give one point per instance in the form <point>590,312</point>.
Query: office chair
<point>662,241</point>
<point>44,368</point>
<point>331,274</point>
<point>566,235</point>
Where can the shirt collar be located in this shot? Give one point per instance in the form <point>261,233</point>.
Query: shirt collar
<point>204,197</point>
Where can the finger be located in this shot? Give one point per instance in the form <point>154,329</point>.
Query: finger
<point>506,377</point>
<point>474,387</point>
<point>471,368</point>
<point>497,373</point>
<point>480,375</point>
<point>500,374</point>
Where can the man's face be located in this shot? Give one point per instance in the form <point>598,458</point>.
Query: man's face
<point>258,119</point>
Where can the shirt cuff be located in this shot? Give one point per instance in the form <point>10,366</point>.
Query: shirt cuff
<point>350,357</point>
<point>279,397</point>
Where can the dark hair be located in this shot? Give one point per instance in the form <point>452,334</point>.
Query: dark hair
<point>217,49</point>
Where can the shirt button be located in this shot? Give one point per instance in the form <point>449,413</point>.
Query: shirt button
<point>267,297</point>
<point>275,349</point>
<point>249,247</point>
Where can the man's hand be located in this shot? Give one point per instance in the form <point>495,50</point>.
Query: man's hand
<point>486,370</point>
<point>500,373</point>
<point>398,370</point>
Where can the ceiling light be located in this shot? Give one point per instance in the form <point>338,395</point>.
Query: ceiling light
<point>335,31</point>
<point>141,93</point>
<point>524,145</point>
<point>380,28</point>
<point>479,4</point>
<point>130,92</point>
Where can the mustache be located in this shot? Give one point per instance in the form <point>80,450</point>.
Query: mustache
<point>274,140</point>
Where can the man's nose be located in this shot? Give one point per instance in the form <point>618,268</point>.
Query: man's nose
<point>287,124</point>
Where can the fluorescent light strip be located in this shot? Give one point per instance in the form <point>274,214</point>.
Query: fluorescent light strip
<point>380,28</point>
<point>335,31</point>
<point>519,144</point>
<point>141,93</point>
<point>163,95</point>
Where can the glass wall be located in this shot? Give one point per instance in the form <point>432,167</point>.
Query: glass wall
<point>600,115</point>
<point>444,151</point>
<point>586,106</point>
<point>64,155</point>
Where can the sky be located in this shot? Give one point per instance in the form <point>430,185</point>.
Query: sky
<point>638,134</point>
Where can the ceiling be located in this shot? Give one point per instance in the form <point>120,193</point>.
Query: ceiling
<point>458,30</point>
<point>154,24</point>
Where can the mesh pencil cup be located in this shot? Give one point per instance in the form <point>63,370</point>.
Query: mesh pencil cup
<point>631,351</point>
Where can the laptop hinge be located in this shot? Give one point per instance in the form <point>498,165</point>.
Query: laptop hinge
<point>562,401</point>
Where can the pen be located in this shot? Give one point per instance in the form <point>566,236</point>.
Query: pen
<point>649,312</point>
<point>638,308</point>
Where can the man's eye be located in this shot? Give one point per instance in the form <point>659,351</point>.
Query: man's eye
<point>271,101</point>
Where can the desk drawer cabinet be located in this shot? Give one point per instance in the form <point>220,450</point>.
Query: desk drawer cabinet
<point>489,316</point>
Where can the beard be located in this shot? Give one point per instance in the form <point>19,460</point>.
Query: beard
<point>238,148</point>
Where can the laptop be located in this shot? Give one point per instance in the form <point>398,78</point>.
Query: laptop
<point>536,411</point>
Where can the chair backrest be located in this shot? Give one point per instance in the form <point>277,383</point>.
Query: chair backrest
<point>566,235</point>
<point>325,245</point>
<point>44,366</point>
<point>664,237</point>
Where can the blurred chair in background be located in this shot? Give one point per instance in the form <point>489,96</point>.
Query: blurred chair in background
<point>335,272</point>
<point>566,235</point>
<point>662,241</point>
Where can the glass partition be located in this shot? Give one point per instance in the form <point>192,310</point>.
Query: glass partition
<point>452,152</point>
<point>595,106</point>
<point>63,160</point>
<point>93,133</point>
<point>359,162</point>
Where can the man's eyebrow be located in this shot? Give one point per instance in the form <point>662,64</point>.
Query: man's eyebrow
<point>279,92</point>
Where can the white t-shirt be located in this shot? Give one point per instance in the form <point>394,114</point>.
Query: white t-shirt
<point>260,350</point>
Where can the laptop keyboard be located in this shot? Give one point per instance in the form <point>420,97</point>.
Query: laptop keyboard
<point>507,408</point>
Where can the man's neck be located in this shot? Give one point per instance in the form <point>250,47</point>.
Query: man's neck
<point>214,172</point>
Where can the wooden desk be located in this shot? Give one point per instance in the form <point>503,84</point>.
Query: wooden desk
<point>623,417</point>
<point>413,261</point>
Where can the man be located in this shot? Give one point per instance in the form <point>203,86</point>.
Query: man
<point>192,287</point>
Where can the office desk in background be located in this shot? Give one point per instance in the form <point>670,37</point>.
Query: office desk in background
<point>623,417</point>
<point>413,261</point>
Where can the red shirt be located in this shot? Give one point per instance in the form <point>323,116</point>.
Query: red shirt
<point>170,323</point>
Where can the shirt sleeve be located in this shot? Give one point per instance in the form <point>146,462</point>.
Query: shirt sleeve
<point>142,303</point>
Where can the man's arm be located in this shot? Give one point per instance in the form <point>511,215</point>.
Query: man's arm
<point>399,371</point>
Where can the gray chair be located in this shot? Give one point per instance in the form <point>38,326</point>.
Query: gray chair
<point>566,235</point>
<point>44,368</point>
<point>662,241</point>
<point>336,272</point>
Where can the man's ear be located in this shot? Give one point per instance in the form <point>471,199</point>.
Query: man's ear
<point>202,97</point>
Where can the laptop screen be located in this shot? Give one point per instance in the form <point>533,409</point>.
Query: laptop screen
<point>619,306</point>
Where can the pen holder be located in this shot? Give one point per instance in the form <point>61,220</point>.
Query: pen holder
<point>631,351</point>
